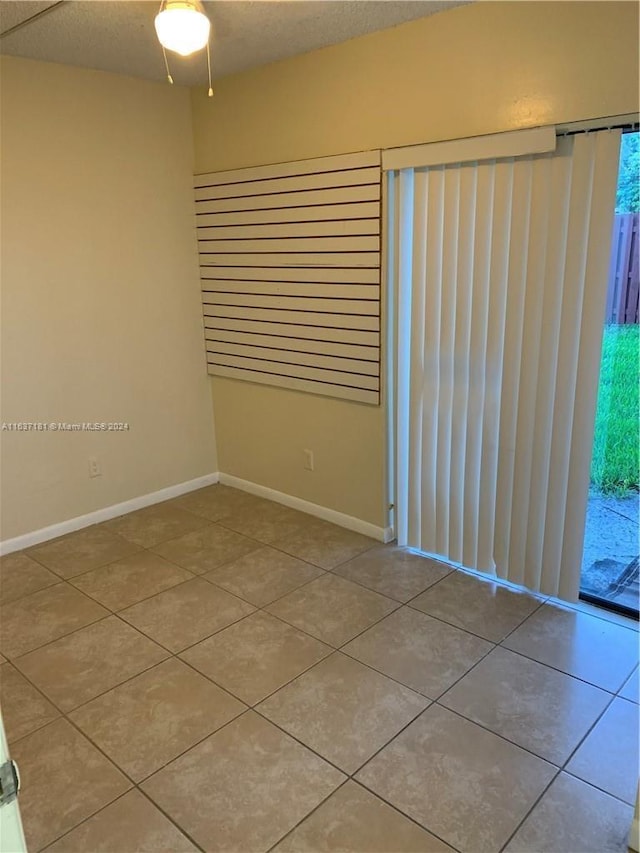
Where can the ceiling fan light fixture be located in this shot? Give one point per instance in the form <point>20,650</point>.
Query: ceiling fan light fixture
<point>182,26</point>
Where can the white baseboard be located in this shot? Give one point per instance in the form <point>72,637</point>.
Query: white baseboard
<point>634,836</point>
<point>27,540</point>
<point>382,534</point>
<point>44,534</point>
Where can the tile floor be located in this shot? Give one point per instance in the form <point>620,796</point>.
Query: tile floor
<point>221,673</point>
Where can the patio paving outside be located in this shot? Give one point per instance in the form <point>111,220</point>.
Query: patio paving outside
<point>611,547</point>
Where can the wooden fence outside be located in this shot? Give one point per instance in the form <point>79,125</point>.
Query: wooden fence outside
<point>624,274</point>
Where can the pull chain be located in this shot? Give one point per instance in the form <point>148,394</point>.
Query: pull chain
<point>210,93</point>
<point>166,65</point>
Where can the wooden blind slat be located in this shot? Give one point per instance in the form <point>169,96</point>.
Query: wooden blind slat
<point>280,288</point>
<point>355,380</point>
<point>359,160</point>
<point>303,345</point>
<point>366,210</point>
<point>291,244</point>
<point>302,318</point>
<point>313,387</point>
<point>348,178</point>
<point>283,356</point>
<point>294,259</point>
<point>328,275</point>
<point>293,330</point>
<point>286,201</point>
<point>362,307</point>
<point>287,230</point>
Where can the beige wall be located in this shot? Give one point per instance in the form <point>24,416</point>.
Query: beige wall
<point>101,316</point>
<point>477,69</point>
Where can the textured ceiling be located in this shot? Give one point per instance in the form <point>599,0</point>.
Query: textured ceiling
<point>118,35</point>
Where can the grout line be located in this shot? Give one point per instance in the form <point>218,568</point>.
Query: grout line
<point>101,618</point>
<point>190,645</point>
<point>630,804</point>
<point>562,770</point>
<point>140,600</point>
<point>113,687</point>
<point>68,579</point>
<point>394,806</point>
<point>306,746</point>
<point>84,820</point>
<point>429,586</point>
<point>515,743</point>
<point>588,732</point>
<point>180,829</point>
<point>269,603</point>
<point>404,814</point>
<point>313,811</point>
<point>467,630</point>
<point>562,671</point>
<point>530,811</point>
<point>485,728</point>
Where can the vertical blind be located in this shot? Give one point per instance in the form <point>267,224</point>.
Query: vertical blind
<point>500,273</point>
<point>290,271</point>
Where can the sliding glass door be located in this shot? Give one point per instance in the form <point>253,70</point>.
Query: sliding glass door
<point>498,271</point>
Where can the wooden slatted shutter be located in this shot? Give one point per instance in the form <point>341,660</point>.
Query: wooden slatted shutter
<point>290,271</point>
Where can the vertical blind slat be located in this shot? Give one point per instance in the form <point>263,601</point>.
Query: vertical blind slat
<point>604,149</point>
<point>417,307</point>
<point>531,331</point>
<point>462,343</point>
<point>518,260</point>
<point>560,179</point>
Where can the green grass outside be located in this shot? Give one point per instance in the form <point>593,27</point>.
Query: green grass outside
<point>615,461</point>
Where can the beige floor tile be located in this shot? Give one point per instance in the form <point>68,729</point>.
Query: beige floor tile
<point>267,523</point>
<point>186,614</point>
<point>20,576</point>
<point>394,572</point>
<point>24,709</point>
<point>130,824</point>
<point>476,605</point>
<point>128,581</point>
<point>82,551</point>
<point>325,545</point>
<point>423,653</point>
<point>590,648</point>
<point>243,788</point>
<point>573,817</point>
<point>466,785</point>
<point>64,780</point>
<point>256,656</point>
<point>44,616</point>
<point>143,724</point>
<point>631,689</point>
<point>332,609</point>
<point>154,524</point>
<point>353,820</point>
<point>89,662</point>
<point>608,758</point>
<point>343,710</point>
<point>264,576</point>
<point>217,501</point>
<point>539,708</point>
<point>206,549</point>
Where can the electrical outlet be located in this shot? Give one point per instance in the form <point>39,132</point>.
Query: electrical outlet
<point>308,460</point>
<point>94,467</point>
